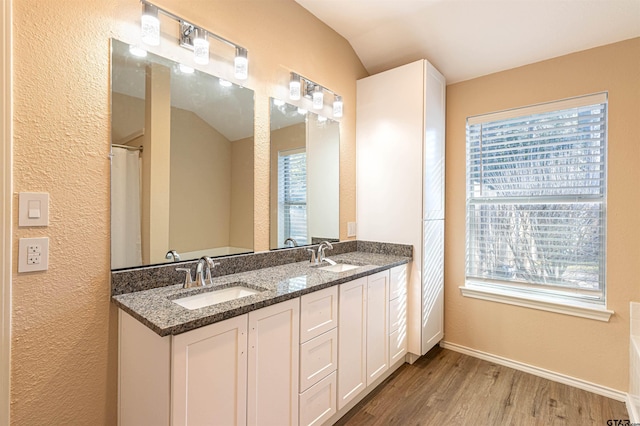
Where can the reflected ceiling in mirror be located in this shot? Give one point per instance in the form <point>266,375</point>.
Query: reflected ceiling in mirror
<point>305,169</point>
<point>182,162</point>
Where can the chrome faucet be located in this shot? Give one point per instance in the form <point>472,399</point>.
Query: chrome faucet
<point>292,241</point>
<point>173,255</point>
<point>321,252</point>
<point>203,271</point>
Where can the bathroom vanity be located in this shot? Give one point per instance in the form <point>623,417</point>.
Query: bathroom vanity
<point>304,349</point>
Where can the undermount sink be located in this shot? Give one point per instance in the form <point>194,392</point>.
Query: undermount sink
<point>214,297</point>
<point>339,267</point>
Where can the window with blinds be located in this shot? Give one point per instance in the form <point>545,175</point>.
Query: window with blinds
<point>292,196</point>
<point>536,199</point>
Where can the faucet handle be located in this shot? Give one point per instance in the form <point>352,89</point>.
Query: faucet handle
<point>210,265</point>
<point>321,250</point>
<point>187,280</point>
<point>313,256</point>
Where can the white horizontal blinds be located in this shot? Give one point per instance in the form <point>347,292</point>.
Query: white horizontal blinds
<point>536,190</point>
<point>292,196</point>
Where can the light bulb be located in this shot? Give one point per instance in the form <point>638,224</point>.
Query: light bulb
<point>337,107</point>
<point>137,51</point>
<point>225,83</point>
<point>201,47</point>
<point>241,64</point>
<point>318,97</point>
<point>186,69</point>
<point>294,87</point>
<point>302,111</point>
<point>150,25</point>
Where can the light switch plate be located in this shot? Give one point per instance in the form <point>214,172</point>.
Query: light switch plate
<point>351,229</point>
<point>33,254</point>
<point>34,209</point>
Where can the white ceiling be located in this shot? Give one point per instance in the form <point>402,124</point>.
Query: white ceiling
<point>465,39</point>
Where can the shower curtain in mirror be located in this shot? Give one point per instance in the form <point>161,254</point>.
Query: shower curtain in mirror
<point>126,246</point>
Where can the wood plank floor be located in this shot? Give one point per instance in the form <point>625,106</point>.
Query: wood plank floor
<point>448,388</point>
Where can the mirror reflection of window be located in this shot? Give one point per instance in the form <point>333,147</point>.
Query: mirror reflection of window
<point>305,184</point>
<point>292,196</point>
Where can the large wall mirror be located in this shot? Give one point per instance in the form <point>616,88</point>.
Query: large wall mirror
<point>305,169</point>
<point>182,162</point>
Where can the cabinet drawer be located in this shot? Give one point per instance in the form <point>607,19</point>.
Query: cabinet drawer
<point>318,358</point>
<point>318,403</point>
<point>318,313</point>
<point>398,314</point>
<point>398,282</point>
<point>397,345</point>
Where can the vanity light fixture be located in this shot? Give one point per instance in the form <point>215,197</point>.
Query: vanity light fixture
<point>150,25</point>
<point>318,97</point>
<point>315,92</point>
<point>241,64</point>
<point>337,106</point>
<point>294,87</point>
<point>200,46</point>
<point>191,37</point>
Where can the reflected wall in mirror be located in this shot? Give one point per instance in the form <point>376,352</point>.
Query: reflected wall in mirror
<point>305,172</point>
<point>182,163</point>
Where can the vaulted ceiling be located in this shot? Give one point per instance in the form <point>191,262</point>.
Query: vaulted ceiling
<point>465,39</point>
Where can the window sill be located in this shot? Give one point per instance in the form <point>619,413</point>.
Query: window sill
<point>540,303</point>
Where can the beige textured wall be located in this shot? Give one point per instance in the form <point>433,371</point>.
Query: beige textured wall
<point>590,350</point>
<point>64,342</point>
<point>200,184</point>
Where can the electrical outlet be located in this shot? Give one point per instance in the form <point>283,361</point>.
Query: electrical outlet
<point>33,254</point>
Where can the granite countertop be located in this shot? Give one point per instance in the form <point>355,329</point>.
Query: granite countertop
<point>155,308</point>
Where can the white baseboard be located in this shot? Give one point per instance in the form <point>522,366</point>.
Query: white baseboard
<point>541,372</point>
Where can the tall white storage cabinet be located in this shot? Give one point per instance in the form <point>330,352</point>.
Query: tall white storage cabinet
<point>400,150</point>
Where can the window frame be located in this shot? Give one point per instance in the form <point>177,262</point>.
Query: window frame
<point>535,295</point>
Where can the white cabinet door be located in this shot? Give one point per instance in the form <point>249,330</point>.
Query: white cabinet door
<point>434,146</point>
<point>318,313</point>
<point>377,325</point>
<point>144,393</point>
<point>274,338</point>
<point>433,285</point>
<point>209,374</point>
<point>352,340</point>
